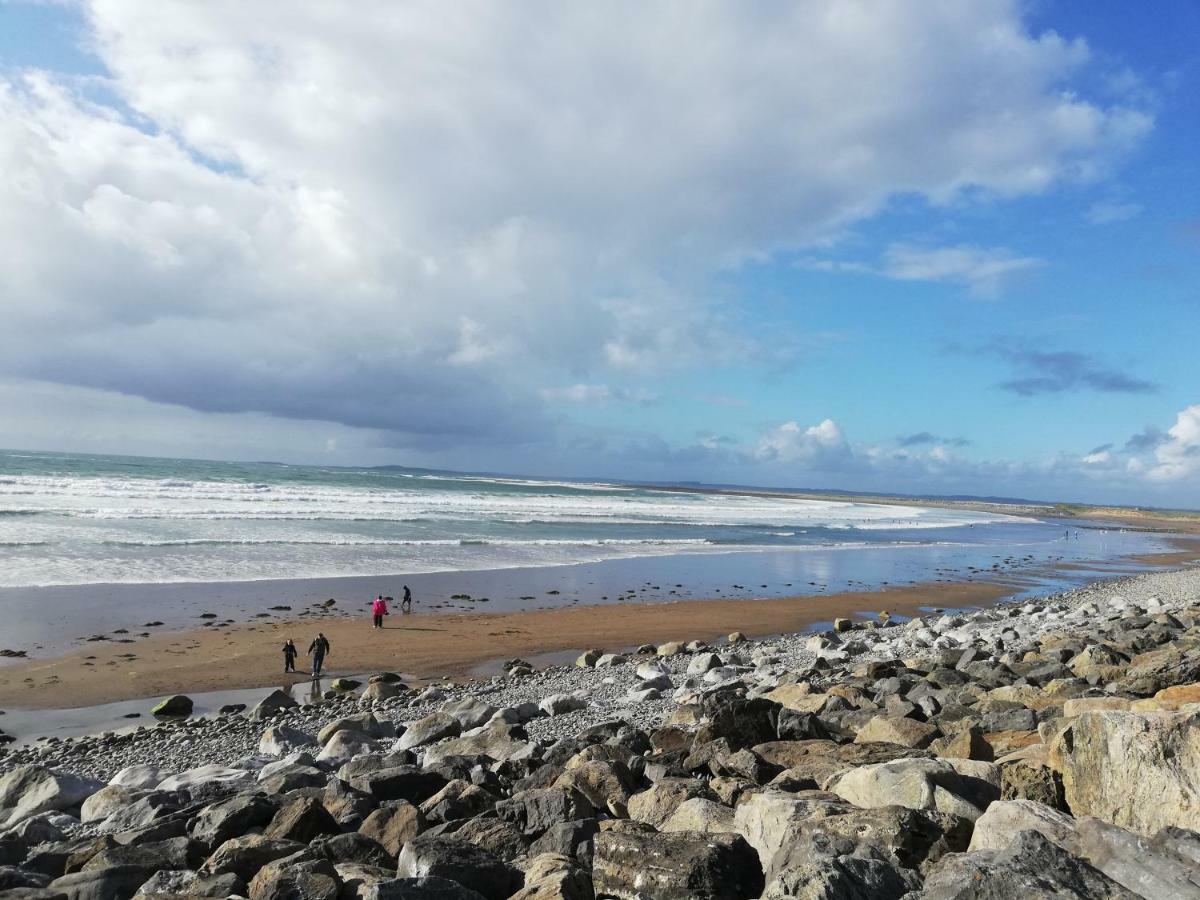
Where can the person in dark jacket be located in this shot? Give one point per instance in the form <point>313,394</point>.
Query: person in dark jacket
<point>406,603</point>
<point>318,650</point>
<point>289,656</point>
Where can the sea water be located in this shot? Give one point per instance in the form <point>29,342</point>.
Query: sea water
<point>70,519</point>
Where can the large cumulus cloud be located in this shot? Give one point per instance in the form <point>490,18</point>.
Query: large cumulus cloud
<point>419,217</point>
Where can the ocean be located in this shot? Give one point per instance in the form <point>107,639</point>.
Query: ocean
<point>71,519</point>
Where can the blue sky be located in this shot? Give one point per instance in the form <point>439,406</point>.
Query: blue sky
<point>880,246</point>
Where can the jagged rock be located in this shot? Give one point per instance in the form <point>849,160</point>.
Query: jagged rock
<point>243,856</point>
<point>357,879</point>
<point>917,784</point>
<point>607,785</point>
<point>301,820</point>
<point>701,815</point>
<point>574,839</point>
<point>295,879</point>
<point>560,704</point>
<point>1137,770</point>
<point>378,691</point>
<point>1031,868</point>
<point>364,723</point>
<point>471,713</point>
<point>106,801</point>
<point>553,876</point>
<point>819,866</point>
<point>498,741</point>
<point>587,659</point>
<point>457,800</point>
<point>429,730</point>
<point>967,743</point>
<point>670,648</point>
<point>105,884</point>
<point>502,839</point>
<point>175,706</point>
<point>1167,865</point>
<point>743,723</point>
<point>683,865</point>
<point>393,824</point>
<point>896,730</point>
<point>399,783</point>
<point>226,819</point>
<point>29,790</point>
<point>187,883</point>
<point>344,685</point>
<point>280,740</point>
<point>447,857</point>
<point>657,804</point>
<point>432,888</point>
<point>534,811</point>
<point>1004,819</point>
<point>353,847</point>
<point>207,777</point>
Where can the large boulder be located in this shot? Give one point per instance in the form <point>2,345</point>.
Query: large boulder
<point>553,876</point>
<point>457,860</point>
<point>229,818</point>
<point>301,820</point>
<point>174,707</point>
<point>431,888</point>
<point>999,826</point>
<point>471,713</point>
<point>141,777</point>
<point>29,790</point>
<point>244,856</point>
<point>272,703</point>
<point>280,740</point>
<point>429,730</point>
<point>897,730</point>
<point>657,804</point>
<point>917,784</point>
<point>1137,770</point>
<point>345,745</point>
<point>1031,868</point>
<point>393,825</point>
<point>1167,865</point>
<point>631,865</point>
<point>208,777</point>
<point>296,879</point>
<point>498,741</point>
<point>533,811</point>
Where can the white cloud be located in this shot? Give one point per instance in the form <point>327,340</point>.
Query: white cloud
<point>1178,457</point>
<point>411,217</point>
<point>791,442</point>
<point>982,270</point>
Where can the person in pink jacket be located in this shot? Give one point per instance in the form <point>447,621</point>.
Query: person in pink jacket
<point>379,610</point>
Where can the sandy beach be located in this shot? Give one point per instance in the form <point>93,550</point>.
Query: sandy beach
<point>432,645</point>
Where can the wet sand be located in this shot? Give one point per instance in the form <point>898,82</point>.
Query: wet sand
<point>433,645</point>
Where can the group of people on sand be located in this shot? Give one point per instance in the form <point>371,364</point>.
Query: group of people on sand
<point>379,608</point>
<point>319,648</point>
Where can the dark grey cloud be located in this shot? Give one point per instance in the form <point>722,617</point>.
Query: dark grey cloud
<point>1103,448</point>
<point>923,438</point>
<point>1041,371</point>
<point>1148,438</point>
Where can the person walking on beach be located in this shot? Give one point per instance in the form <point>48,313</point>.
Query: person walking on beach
<point>317,650</point>
<point>406,603</point>
<point>379,610</point>
<point>289,656</point>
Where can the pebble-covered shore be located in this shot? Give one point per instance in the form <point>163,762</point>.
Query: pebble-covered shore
<point>1051,745</point>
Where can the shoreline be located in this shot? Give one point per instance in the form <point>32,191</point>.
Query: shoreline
<point>436,646</point>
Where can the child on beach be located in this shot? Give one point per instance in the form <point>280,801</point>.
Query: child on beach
<point>289,656</point>
<point>406,603</point>
<point>379,610</point>
<point>317,649</point>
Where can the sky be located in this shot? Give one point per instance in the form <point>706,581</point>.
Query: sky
<point>919,246</point>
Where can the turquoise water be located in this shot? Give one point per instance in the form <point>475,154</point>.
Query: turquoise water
<point>68,519</point>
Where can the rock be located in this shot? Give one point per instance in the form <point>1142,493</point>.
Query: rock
<point>573,839</point>
<point>421,889</point>
<point>700,815</point>
<point>29,790</point>
<point>139,777</point>
<point>344,746</point>
<point>399,783</point>
<point>498,741</point>
<point>470,866</point>
<point>357,879</point>
<point>378,691</point>
<point>393,825</point>
<point>353,848</point>
<point>736,637</point>
<point>842,625</point>
<point>587,659</point>
<point>230,709</point>
<point>344,685</point>
<point>291,879</point>
<point>175,706</point>
<point>187,883</point>
<point>280,740</point>
<point>229,818</point>
<point>671,648</point>
<point>431,729</point>
<point>560,704</point>
<point>656,805</point>
<point>106,884</point>
<point>364,723</point>
<point>471,713</point>
<point>609,660</point>
<point>1151,868</point>
<point>1031,868</point>
<point>533,811</point>
<point>273,703</point>
<point>553,876</point>
<point>244,856</point>
<point>1003,820</point>
<point>894,730</point>
<point>207,776</point>
<point>819,865</point>
<point>678,866</point>
<point>1140,771</point>
<point>301,820</point>
<point>106,801</point>
<point>967,743</point>
<point>915,783</point>
<point>457,800</point>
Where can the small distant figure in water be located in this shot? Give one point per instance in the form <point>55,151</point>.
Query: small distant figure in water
<point>1068,533</point>
<point>289,656</point>
<point>318,650</point>
<point>406,603</point>
<point>379,610</point>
